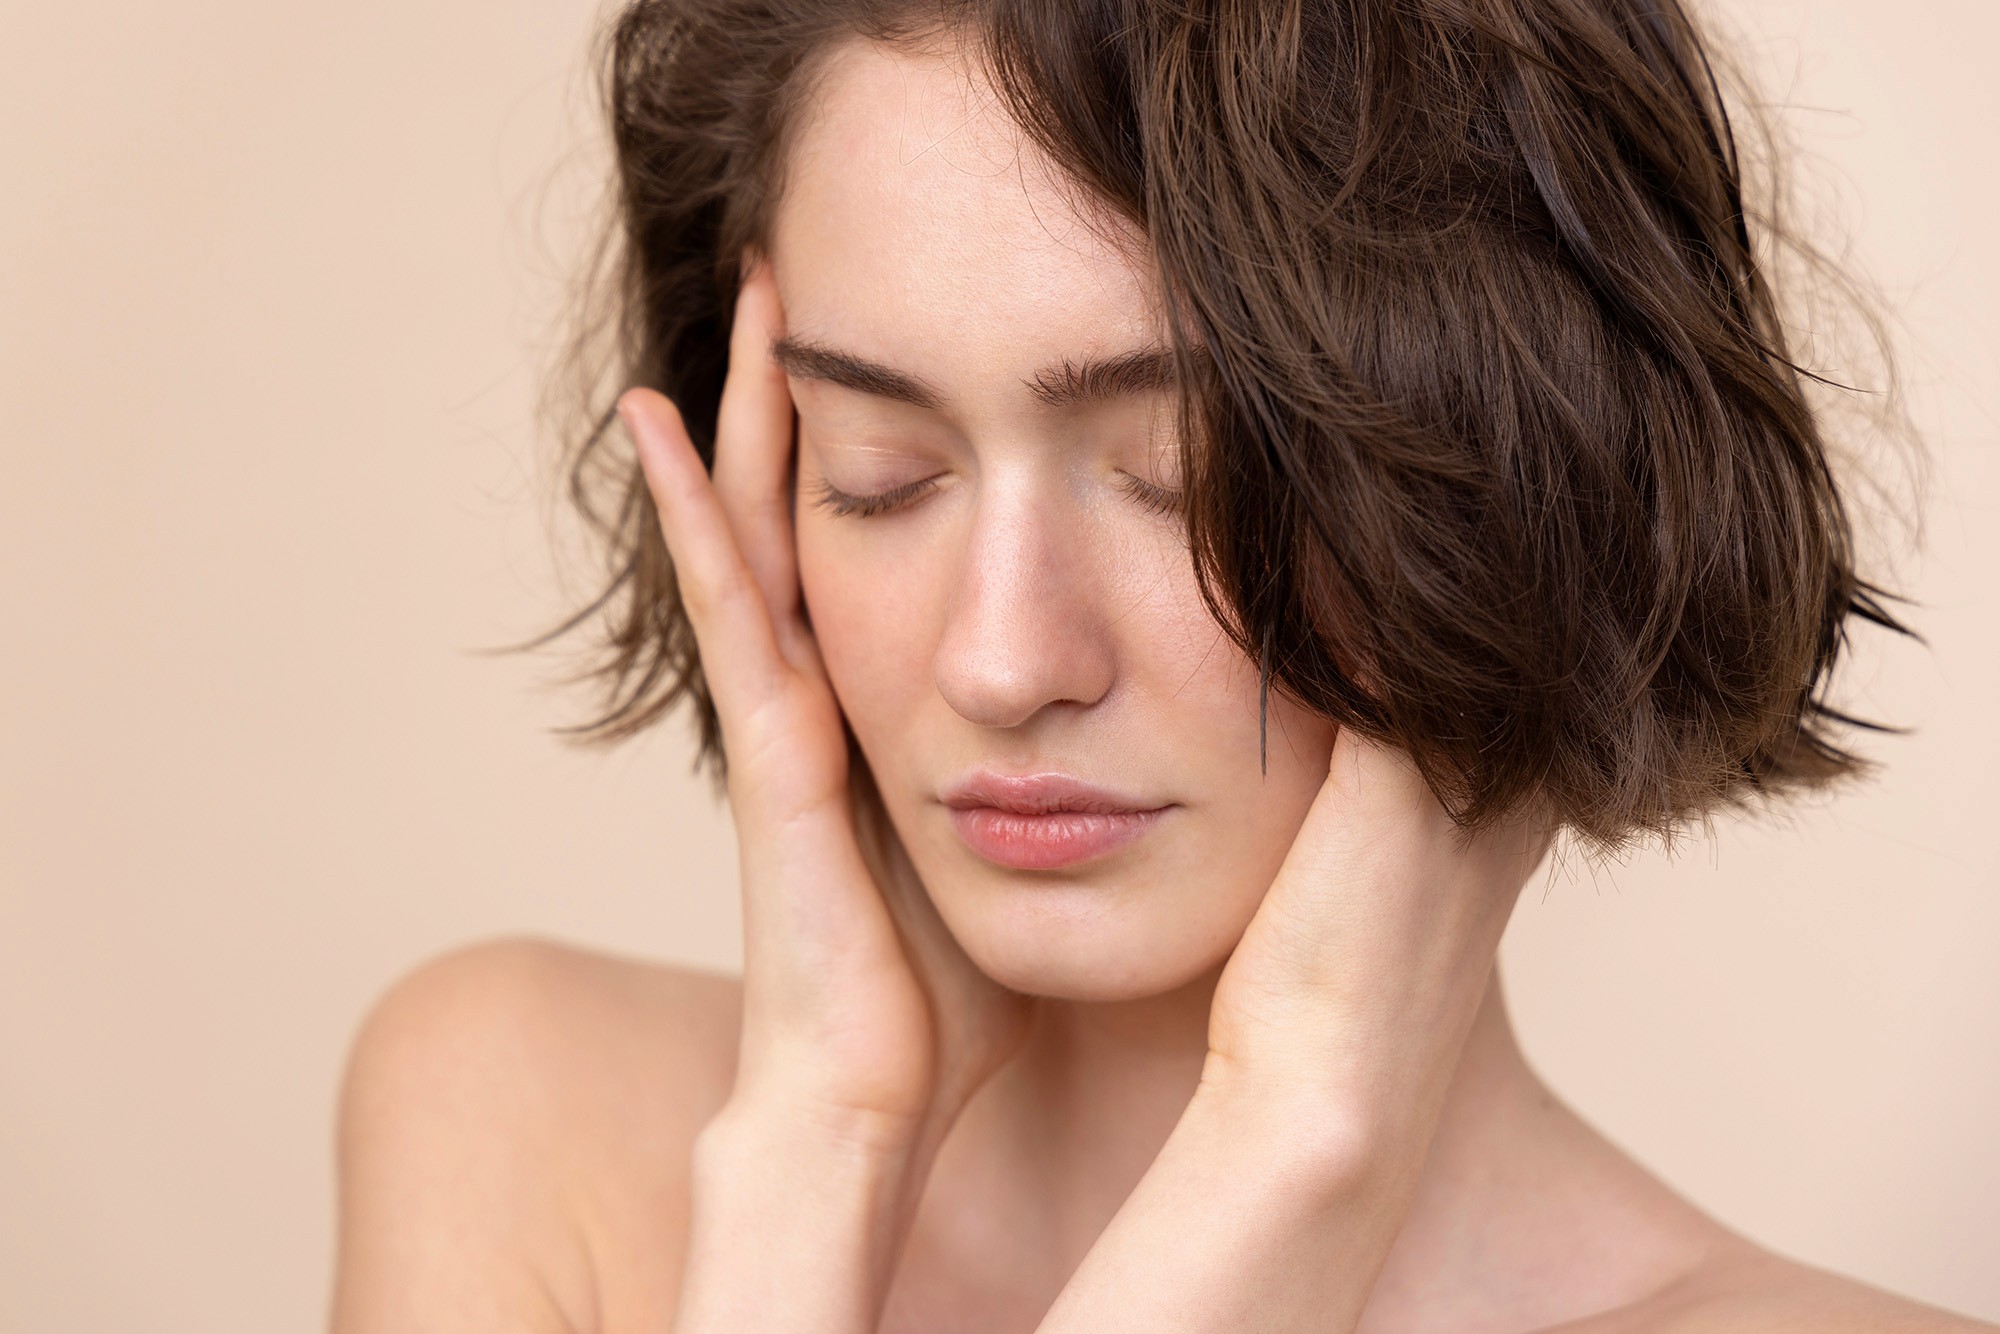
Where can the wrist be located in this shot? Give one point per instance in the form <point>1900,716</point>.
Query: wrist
<point>848,1143</point>
<point>1252,1195</point>
<point>1327,1143</point>
<point>826,1198</point>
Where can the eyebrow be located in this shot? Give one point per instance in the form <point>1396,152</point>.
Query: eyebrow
<point>1065,385</point>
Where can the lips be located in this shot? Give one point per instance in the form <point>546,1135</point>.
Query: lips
<point>1045,822</point>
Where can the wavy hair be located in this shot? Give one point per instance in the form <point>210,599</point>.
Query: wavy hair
<point>1493,443</point>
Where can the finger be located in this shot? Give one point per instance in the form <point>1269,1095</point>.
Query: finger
<point>753,446</point>
<point>717,587</point>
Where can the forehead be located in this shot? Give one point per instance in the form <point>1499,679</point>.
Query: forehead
<point>920,226</point>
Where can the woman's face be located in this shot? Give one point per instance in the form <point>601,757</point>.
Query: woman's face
<point>1007,611</point>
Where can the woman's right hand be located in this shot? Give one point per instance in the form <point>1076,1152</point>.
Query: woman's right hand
<point>863,1020</point>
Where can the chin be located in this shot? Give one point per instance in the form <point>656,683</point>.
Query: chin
<point>1078,941</point>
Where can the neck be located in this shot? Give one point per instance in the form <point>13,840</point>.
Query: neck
<point>1072,1124</point>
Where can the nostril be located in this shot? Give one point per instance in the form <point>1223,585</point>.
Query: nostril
<point>1029,625</point>
<point>1001,668</point>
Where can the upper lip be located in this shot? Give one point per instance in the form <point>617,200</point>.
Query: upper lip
<point>1041,794</point>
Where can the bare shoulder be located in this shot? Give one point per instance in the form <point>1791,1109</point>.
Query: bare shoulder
<point>1745,1289</point>
<point>515,1125</point>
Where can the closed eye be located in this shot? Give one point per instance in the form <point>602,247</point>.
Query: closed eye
<point>833,500</point>
<point>1159,499</point>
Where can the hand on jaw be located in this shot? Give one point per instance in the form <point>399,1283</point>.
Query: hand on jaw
<point>1333,1034</point>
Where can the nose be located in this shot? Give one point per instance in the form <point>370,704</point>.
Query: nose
<point>1026,627</point>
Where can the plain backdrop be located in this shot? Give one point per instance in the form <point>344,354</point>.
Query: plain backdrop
<point>276,282</point>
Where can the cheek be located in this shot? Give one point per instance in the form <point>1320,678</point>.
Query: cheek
<point>870,613</point>
<point>1205,694</point>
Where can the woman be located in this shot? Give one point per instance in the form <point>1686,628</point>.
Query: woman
<point>1167,511</point>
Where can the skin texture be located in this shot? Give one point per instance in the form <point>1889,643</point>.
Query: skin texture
<point>1253,1072</point>
<point>1026,612</point>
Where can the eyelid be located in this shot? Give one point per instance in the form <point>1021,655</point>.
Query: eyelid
<point>1159,499</point>
<point>832,499</point>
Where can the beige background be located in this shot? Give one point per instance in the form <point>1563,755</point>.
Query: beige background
<point>274,284</point>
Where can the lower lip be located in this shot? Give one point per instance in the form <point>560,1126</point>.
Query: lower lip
<point>1048,842</point>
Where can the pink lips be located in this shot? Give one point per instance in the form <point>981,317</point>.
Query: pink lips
<point>1043,822</point>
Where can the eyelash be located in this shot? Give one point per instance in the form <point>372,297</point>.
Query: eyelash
<point>1157,499</point>
<point>838,502</point>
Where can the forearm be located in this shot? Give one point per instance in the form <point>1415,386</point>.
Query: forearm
<point>795,1226</point>
<point>1247,1221</point>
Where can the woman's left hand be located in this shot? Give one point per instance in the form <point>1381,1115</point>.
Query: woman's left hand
<point>1352,990</point>
<point>1334,1033</point>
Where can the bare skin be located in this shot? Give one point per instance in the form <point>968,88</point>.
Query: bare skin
<point>518,1122</point>
<point>1252,1071</point>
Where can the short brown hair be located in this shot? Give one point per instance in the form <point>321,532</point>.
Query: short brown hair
<point>1494,447</point>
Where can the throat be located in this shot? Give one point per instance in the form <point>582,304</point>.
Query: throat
<point>1046,1154</point>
